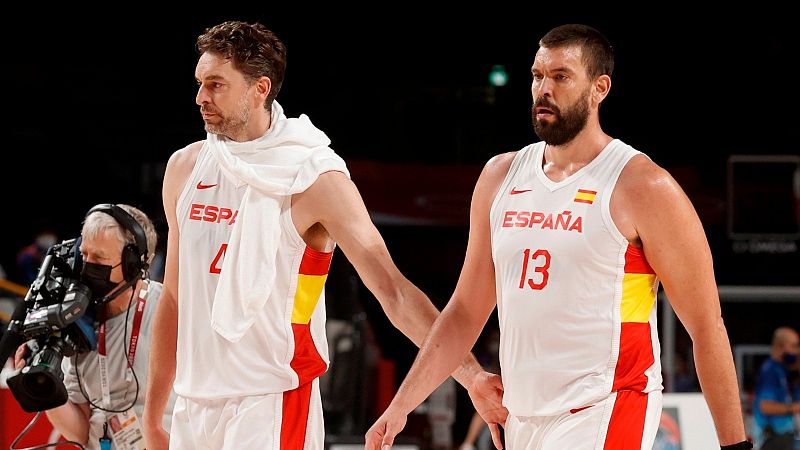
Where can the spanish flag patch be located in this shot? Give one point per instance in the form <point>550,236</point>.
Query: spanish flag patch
<point>585,196</point>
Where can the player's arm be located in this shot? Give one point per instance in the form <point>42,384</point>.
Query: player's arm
<point>457,328</point>
<point>676,247</point>
<point>161,373</point>
<point>334,201</point>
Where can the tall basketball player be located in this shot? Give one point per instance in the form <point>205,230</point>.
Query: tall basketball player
<point>570,237</point>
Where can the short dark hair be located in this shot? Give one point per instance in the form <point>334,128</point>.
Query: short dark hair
<point>254,50</point>
<point>596,51</point>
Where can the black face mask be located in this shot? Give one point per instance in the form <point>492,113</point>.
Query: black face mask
<point>97,278</point>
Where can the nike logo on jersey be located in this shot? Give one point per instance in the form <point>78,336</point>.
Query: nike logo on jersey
<point>200,185</point>
<point>515,191</point>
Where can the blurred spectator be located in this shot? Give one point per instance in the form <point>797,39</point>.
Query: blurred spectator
<point>777,396</point>
<point>30,257</point>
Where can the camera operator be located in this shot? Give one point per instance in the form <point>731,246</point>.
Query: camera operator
<point>107,386</point>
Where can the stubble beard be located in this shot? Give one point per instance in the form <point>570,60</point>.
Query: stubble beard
<point>233,125</point>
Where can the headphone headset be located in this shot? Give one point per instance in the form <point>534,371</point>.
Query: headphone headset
<point>134,256</point>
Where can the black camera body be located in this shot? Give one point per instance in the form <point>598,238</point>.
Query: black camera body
<point>59,321</point>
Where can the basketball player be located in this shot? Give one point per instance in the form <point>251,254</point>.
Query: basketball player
<point>254,214</point>
<point>570,237</point>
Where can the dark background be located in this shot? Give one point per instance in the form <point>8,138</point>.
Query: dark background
<point>96,101</point>
<point>94,105</point>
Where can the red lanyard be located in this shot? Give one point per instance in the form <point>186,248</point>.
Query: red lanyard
<point>137,324</point>
<point>105,383</point>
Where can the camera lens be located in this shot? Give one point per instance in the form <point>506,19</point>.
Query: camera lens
<point>39,385</point>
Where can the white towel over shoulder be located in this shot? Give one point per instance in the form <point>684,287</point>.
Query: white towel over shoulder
<point>287,160</point>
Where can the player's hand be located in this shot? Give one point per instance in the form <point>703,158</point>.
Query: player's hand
<point>381,434</point>
<point>19,356</point>
<point>486,393</point>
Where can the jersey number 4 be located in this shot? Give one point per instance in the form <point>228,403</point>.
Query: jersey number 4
<point>216,264</point>
<point>541,258</point>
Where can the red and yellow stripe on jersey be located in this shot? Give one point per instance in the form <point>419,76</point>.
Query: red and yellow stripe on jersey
<point>306,362</point>
<point>635,352</point>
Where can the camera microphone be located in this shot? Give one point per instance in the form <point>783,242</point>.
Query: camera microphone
<point>13,336</point>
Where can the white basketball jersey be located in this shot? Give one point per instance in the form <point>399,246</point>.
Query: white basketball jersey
<point>576,302</point>
<point>286,346</point>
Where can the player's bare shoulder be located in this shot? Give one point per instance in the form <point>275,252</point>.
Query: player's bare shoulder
<point>185,157</point>
<point>493,174</point>
<point>643,179</point>
<point>327,188</point>
<point>179,168</point>
<point>646,193</point>
<point>182,161</point>
<point>498,165</point>
<point>332,194</point>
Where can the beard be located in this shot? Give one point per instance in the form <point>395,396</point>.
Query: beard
<point>566,125</point>
<point>232,124</point>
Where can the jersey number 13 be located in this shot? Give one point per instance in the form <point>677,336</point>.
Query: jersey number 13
<point>539,261</point>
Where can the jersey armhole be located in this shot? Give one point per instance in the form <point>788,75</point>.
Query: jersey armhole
<point>605,204</point>
<point>512,172</point>
<point>182,205</point>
